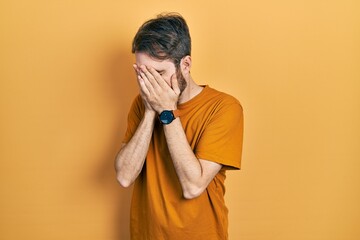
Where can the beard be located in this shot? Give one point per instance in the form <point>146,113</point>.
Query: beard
<point>181,80</point>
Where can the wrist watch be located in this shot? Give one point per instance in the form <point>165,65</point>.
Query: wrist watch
<point>167,116</point>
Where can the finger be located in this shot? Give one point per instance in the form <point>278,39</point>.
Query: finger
<point>138,77</point>
<point>136,69</point>
<point>159,79</point>
<point>142,86</point>
<point>175,84</point>
<point>150,76</point>
<point>137,72</point>
<point>147,83</point>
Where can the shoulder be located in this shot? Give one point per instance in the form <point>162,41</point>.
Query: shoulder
<point>221,99</point>
<point>138,101</point>
<point>137,106</point>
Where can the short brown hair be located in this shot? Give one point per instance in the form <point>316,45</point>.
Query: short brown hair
<point>164,37</point>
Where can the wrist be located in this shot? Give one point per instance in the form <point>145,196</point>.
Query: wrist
<point>151,114</point>
<point>160,110</point>
<point>167,116</point>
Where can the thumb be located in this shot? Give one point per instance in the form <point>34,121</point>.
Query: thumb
<point>175,84</point>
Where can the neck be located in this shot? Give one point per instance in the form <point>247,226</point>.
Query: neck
<point>192,89</point>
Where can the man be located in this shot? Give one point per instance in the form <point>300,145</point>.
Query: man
<point>180,140</point>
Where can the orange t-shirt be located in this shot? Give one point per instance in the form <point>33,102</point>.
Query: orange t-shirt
<point>213,124</point>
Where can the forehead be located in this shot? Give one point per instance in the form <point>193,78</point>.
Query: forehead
<point>145,59</point>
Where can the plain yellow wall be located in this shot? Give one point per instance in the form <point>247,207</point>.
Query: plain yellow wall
<point>67,84</point>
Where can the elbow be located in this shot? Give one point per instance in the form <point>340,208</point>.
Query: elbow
<point>192,193</point>
<point>124,182</point>
<point>122,177</point>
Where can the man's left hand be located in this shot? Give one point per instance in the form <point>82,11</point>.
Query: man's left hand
<point>156,91</point>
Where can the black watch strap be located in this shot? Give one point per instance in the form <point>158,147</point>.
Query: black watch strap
<point>167,116</point>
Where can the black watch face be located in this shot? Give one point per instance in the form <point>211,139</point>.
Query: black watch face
<point>166,117</point>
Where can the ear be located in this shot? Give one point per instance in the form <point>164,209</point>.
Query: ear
<point>186,65</point>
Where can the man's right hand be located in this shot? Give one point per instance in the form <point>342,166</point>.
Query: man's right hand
<point>148,107</point>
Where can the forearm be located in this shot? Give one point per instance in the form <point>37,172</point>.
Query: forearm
<point>194,174</point>
<point>131,157</point>
<point>187,166</point>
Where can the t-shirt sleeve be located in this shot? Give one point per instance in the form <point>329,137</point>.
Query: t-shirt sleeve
<point>222,138</point>
<point>134,118</point>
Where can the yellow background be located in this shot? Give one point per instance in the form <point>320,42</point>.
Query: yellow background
<point>67,84</point>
